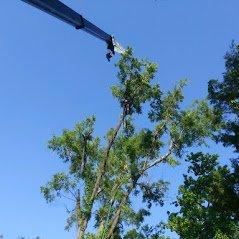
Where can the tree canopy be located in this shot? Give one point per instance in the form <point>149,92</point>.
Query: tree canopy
<point>209,196</point>
<point>208,200</point>
<point>224,96</point>
<point>104,176</point>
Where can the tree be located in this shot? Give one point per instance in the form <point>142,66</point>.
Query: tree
<point>224,96</point>
<point>209,197</point>
<point>208,201</point>
<point>104,177</point>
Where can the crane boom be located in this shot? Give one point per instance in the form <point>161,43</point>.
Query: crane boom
<point>66,14</point>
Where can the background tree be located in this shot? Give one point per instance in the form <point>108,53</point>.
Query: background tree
<point>104,177</point>
<point>209,197</point>
<point>208,201</point>
<point>224,96</point>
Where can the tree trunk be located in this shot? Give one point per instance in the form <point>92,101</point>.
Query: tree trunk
<point>82,230</point>
<point>116,217</point>
<point>80,234</point>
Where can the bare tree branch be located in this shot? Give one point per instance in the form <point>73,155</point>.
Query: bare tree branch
<point>161,159</point>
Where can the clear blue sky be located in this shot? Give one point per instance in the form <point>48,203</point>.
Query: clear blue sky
<point>53,76</point>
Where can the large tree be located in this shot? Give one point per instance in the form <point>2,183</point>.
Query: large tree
<point>104,177</point>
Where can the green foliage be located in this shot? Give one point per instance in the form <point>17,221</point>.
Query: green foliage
<point>209,197</point>
<point>147,232</point>
<point>102,180</point>
<point>59,183</point>
<point>208,200</point>
<point>225,98</point>
<point>153,193</point>
<point>134,87</point>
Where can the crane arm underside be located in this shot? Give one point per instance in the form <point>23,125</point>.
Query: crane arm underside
<point>66,14</point>
<point>58,10</point>
<point>95,31</point>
